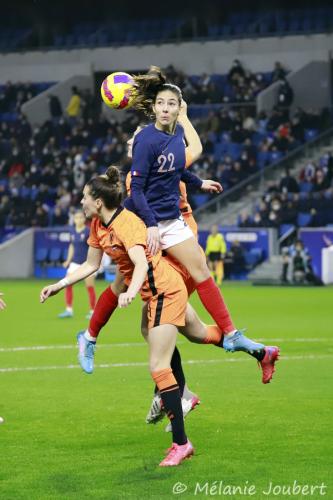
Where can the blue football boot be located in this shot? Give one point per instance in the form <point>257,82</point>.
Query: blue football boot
<point>66,314</point>
<point>238,342</point>
<point>86,353</point>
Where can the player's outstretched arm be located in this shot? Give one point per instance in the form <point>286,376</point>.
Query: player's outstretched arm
<point>205,185</point>
<point>90,266</point>
<point>138,257</point>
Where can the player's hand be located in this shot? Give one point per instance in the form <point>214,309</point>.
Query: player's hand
<point>153,240</point>
<point>183,109</point>
<point>49,291</point>
<point>125,299</point>
<point>2,303</point>
<point>211,187</point>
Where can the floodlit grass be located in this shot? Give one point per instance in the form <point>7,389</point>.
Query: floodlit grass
<point>68,435</point>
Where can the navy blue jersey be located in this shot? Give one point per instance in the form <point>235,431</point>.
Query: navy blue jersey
<point>158,165</point>
<point>79,242</point>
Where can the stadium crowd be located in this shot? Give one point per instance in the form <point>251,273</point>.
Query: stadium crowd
<point>306,201</point>
<point>43,169</point>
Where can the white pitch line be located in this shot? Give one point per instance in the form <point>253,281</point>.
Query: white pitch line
<point>69,346</point>
<point>136,364</point>
<point>139,344</point>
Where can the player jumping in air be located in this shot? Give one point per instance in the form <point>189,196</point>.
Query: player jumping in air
<point>158,165</point>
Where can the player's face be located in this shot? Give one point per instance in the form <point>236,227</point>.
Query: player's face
<point>130,142</point>
<point>166,108</point>
<point>79,219</point>
<point>89,204</point>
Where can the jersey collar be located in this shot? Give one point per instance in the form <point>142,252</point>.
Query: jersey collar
<point>117,212</point>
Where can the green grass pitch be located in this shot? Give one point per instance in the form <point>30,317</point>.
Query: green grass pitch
<point>68,435</point>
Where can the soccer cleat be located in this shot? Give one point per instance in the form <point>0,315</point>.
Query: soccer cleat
<point>177,453</point>
<point>86,353</point>
<point>66,314</point>
<point>156,412</point>
<point>187,405</point>
<point>238,342</point>
<point>268,363</point>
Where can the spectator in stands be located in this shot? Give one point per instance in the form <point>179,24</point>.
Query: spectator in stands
<point>55,107</point>
<point>236,72</point>
<point>244,219</point>
<point>288,183</point>
<point>40,218</point>
<point>74,105</point>
<point>59,217</point>
<point>257,220</point>
<point>285,95</point>
<point>308,173</point>
<point>321,181</point>
<point>275,120</point>
<point>5,208</point>
<point>279,73</point>
<point>235,258</point>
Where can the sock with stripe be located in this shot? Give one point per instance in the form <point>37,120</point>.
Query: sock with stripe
<point>105,306</point>
<point>213,302</point>
<point>177,368</point>
<point>169,390</point>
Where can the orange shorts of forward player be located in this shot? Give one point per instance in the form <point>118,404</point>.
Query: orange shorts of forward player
<point>166,297</point>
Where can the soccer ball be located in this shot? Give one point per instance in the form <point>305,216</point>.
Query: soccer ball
<point>117,90</point>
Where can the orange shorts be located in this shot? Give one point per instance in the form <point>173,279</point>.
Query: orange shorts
<point>183,272</point>
<point>166,296</point>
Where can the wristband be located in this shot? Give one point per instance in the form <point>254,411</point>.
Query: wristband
<point>64,282</point>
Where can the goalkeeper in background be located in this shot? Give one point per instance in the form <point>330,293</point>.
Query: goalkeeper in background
<point>215,251</point>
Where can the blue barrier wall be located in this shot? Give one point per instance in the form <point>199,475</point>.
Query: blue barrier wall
<point>314,241</point>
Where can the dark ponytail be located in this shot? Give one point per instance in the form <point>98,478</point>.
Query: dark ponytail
<point>148,86</point>
<point>107,187</point>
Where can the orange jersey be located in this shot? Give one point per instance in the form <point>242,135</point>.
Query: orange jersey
<point>124,231</point>
<point>163,289</point>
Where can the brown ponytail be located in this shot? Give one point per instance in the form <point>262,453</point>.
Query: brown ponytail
<point>148,86</point>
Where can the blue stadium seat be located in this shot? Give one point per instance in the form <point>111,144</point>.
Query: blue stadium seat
<point>310,133</point>
<point>285,228</point>
<point>55,254</point>
<point>304,219</point>
<point>200,199</point>
<point>306,187</point>
<point>41,255</point>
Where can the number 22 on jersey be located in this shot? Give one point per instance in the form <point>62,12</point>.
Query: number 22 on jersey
<point>166,163</point>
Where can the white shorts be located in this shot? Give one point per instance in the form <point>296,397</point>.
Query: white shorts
<point>173,231</point>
